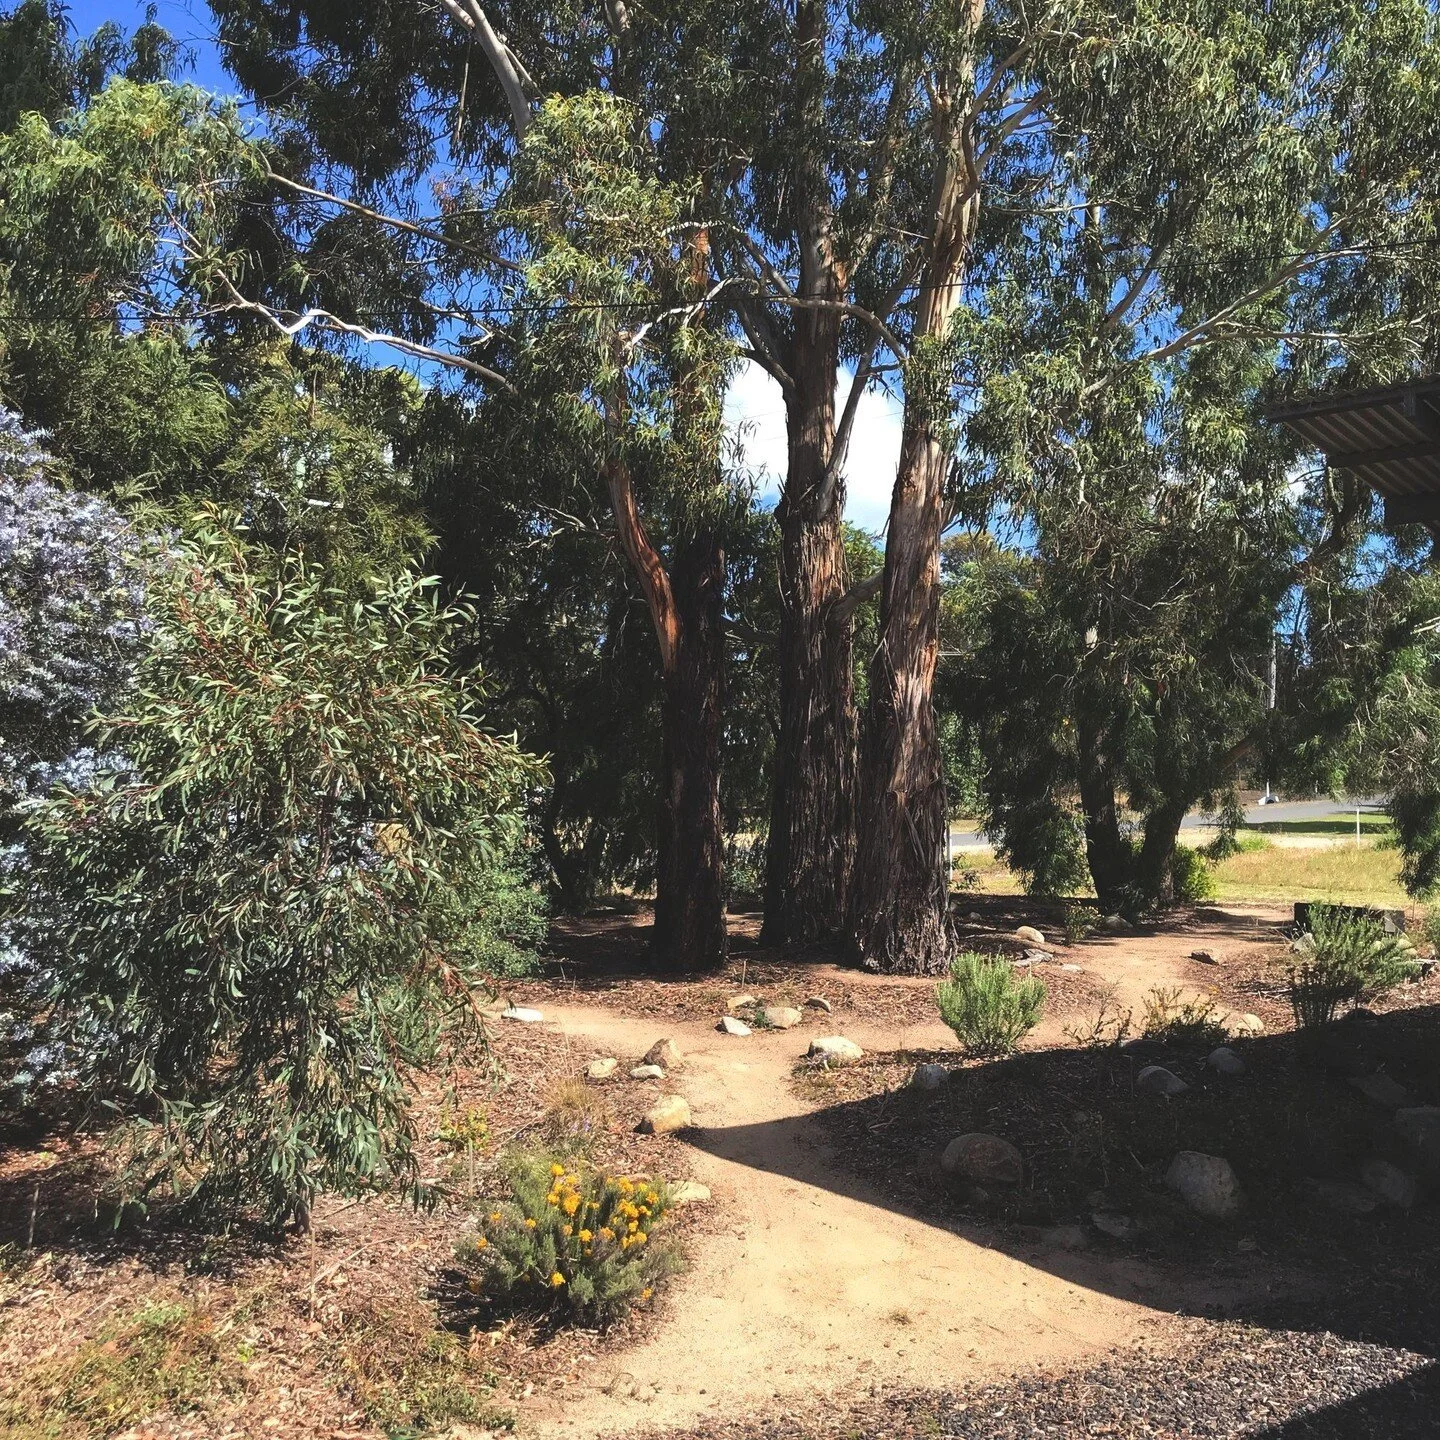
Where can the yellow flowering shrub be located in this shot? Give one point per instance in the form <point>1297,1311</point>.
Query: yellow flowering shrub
<point>571,1236</point>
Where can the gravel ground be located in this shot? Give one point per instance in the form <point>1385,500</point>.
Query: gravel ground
<point>1224,1380</point>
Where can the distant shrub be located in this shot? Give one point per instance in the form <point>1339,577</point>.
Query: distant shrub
<point>1081,921</point>
<point>1174,1020</point>
<point>577,1239</point>
<point>1351,958</point>
<point>1190,878</point>
<point>1431,928</point>
<point>987,1004</point>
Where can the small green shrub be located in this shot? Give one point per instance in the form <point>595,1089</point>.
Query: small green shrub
<point>578,1239</point>
<point>988,1005</point>
<point>1173,1020</point>
<point>1081,921</point>
<point>1351,959</point>
<point>1107,1030</point>
<point>1190,877</point>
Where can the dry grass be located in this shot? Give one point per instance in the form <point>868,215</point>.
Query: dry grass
<point>1348,874</point>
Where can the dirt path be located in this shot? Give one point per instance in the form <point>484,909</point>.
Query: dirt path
<point>811,1285</point>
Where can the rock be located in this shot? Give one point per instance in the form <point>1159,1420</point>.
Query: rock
<point>1342,1196</point>
<point>741,1002</point>
<point>818,1002</point>
<point>1065,1237</point>
<point>983,1159</point>
<point>689,1192</point>
<point>1072,968</point>
<point>929,1077</point>
<point>783,1017</point>
<point>1419,1129</point>
<point>523,1014</point>
<point>1115,925</point>
<point>1224,1061</point>
<point>835,1050</point>
<point>1115,1225</point>
<point>974,917</point>
<point>648,1072</point>
<point>663,1052</point>
<point>1034,957</point>
<point>670,1112</point>
<point>1157,1080</point>
<point>1205,957</point>
<point>1246,1024</point>
<point>731,1026</point>
<point>1029,935</point>
<point>1389,1183</point>
<point>602,1069</point>
<point>1143,1048</point>
<point>1381,1090</point>
<point>1206,1183</point>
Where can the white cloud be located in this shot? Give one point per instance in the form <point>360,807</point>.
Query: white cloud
<point>755,415</point>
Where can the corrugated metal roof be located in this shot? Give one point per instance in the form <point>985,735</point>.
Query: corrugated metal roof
<point>1390,438</point>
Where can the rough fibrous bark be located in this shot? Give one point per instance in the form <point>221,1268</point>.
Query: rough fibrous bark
<point>689,891</point>
<point>899,918</point>
<point>812,834</point>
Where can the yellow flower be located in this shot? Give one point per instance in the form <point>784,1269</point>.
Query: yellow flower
<point>557,1169</point>
<point>495,1217</point>
<point>632,1227</point>
<point>552,1198</point>
<point>473,1285</point>
<point>638,1237</point>
<point>571,1204</point>
<point>565,1229</point>
<point>646,1293</point>
<point>557,1279</point>
<point>644,1210</point>
<point>585,1236</point>
<point>529,1224</point>
<point>481,1242</point>
<point>651,1198</point>
<point>606,1233</point>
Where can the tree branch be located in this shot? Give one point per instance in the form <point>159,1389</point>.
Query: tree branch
<point>508,70</point>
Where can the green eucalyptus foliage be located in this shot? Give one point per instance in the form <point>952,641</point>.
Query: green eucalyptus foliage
<point>277,898</point>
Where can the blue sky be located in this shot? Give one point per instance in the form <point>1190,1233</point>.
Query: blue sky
<point>754,408</point>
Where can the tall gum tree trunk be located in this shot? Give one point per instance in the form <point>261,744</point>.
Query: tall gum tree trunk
<point>899,905</point>
<point>685,604</point>
<point>811,846</point>
<point>690,890</point>
<point>899,913</point>
<point>812,828</point>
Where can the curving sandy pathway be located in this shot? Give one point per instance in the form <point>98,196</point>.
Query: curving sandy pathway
<point>813,1284</point>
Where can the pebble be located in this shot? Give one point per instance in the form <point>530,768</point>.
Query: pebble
<point>648,1072</point>
<point>671,1112</point>
<point>731,1026</point>
<point>1029,935</point>
<point>1224,1061</point>
<point>523,1014</point>
<point>782,1017</point>
<point>1114,1224</point>
<point>689,1192</point>
<point>741,1002</point>
<point>1157,1080</point>
<point>1390,1183</point>
<point>929,1077</point>
<point>818,1002</point>
<point>1206,1183</point>
<point>983,1160</point>
<point>1116,925</point>
<point>1381,1089</point>
<point>602,1069</point>
<point>1205,957</point>
<point>835,1050</point>
<point>1065,1237</point>
<point>664,1052</point>
<point>1246,1024</point>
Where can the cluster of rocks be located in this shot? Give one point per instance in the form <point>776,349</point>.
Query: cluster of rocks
<point>747,1013</point>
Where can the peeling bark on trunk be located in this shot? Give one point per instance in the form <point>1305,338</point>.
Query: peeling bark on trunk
<point>812,828</point>
<point>899,915</point>
<point>685,606</point>
<point>690,889</point>
<point>899,906</point>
